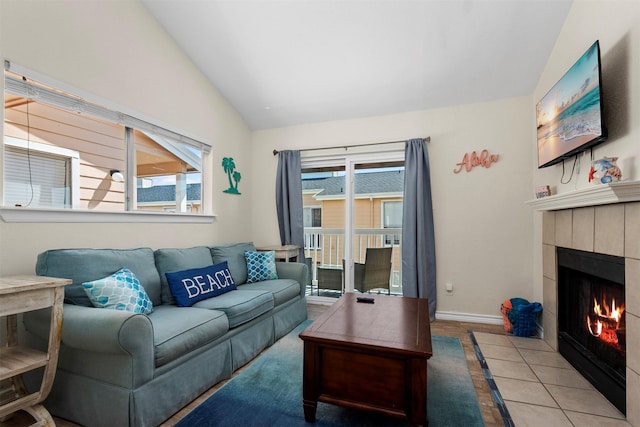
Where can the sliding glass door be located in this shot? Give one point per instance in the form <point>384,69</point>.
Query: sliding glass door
<point>353,214</point>
<point>323,196</point>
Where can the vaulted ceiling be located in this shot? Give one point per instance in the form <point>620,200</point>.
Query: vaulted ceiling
<point>288,62</point>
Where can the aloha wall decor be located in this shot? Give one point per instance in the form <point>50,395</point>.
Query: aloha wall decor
<point>470,161</point>
<point>229,167</point>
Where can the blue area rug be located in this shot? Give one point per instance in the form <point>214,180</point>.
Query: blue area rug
<point>269,393</point>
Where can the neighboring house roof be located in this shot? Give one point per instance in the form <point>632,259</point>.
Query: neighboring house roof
<point>167,193</point>
<point>365,183</point>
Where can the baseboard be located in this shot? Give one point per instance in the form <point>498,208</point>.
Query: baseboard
<point>480,318</point>
<point>442,315</point>
<point>468,317</point>
<point>318,300</point>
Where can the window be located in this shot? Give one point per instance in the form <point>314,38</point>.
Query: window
<point>312,217</point>
<point>172,171</point>
<point>392,218</point>
<point>60,151</point>
<point>40,176</point>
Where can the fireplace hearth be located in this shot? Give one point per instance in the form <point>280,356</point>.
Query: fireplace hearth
<point>591,319</point>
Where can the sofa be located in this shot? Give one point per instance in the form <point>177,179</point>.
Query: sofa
<point>119,368</point>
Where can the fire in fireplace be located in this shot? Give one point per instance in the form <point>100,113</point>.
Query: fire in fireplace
<point>604,322</point>
<point>591,319</point>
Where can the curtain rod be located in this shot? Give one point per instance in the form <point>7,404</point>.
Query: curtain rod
<point>346,147</point>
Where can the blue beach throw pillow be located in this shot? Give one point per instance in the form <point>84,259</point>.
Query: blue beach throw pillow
<point>260,266</point>
<point>193,285</point>
<point>120,291</point>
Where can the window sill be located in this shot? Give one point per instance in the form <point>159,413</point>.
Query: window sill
<point>12,214</point>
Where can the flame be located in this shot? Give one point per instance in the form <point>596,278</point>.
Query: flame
<point>615,313</point>
<point>605,320</point>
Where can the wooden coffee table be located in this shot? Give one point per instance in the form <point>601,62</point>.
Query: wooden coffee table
<point>369,356</point>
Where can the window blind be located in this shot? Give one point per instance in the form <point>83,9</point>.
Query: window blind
<point>36,179</point>
<point>32,90</point>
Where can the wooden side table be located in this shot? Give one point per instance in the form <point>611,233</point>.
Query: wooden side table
<point>285,252</point>
<point>20,294</point>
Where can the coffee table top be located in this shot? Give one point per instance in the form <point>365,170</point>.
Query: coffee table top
<point>397,324</point>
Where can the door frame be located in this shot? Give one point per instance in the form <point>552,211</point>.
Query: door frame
<point>349,161</point>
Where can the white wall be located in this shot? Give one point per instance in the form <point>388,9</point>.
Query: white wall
<point>115,50</point>
<point>483,227</point>
<point>616,23</point>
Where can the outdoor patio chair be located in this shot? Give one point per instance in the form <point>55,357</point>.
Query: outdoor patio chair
<point>330,278</point>
<point>375,273</point>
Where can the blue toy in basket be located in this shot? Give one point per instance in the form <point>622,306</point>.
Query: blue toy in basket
<point>523,316</point>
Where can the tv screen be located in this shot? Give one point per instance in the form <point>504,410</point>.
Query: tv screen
<point>569,116</point>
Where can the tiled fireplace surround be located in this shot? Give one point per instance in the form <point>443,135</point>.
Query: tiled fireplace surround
<point>613,229</point>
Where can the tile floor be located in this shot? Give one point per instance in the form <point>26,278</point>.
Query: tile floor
<point>540,388</point>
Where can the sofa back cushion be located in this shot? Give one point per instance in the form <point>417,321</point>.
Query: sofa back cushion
<point>171,260</point>
<point>234,255</point>
<point>86,265</point>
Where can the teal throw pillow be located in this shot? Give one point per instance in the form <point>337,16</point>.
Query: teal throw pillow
<point>260,266</point>
<point>120,291</point>
<point>193,285</point>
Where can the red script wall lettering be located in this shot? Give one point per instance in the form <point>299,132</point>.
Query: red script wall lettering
<point>470,161</point>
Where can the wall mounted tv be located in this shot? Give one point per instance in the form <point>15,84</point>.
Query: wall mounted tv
<point>569,116</point>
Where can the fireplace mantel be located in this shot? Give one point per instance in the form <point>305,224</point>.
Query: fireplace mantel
<point>599,194</point>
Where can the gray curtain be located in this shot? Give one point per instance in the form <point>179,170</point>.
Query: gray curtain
<point>418,242</point>
<point>289,199</point>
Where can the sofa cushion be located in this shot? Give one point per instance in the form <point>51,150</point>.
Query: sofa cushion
<point>85,265</point>
<point>120,291</point>
<point>234,255</point>
<point>179,330</point>
<point>171,260</point>
<point>260,266</point>
<point>190,286</point>
<point>283,290</point>
<point>240,306</point>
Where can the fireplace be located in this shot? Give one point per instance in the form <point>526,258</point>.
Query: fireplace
<point>591,319</point>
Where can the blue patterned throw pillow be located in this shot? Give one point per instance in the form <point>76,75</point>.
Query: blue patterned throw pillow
<point>193,285</point>
<point>120,291</point>
<point>260,266</point>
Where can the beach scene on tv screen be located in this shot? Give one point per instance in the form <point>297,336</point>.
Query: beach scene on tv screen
<point>569,114</point>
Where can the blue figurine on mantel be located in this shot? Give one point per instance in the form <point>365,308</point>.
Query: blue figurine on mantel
<point>605,170</point>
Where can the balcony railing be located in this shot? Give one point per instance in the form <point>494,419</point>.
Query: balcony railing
<point>324,248</point>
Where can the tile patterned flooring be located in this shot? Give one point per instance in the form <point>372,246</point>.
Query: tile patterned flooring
<point>540,388</point>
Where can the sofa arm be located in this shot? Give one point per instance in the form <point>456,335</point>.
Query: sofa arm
<point>294,270</point>
<point>105,331</point>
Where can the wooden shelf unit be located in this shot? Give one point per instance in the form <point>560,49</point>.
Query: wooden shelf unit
<point>20,294</point>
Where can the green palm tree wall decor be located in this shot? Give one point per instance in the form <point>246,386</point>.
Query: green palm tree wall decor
<point>234,177</point>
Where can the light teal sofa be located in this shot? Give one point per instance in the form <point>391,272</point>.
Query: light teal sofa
<point>118,368</point>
